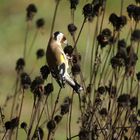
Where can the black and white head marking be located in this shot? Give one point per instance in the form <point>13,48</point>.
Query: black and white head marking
<point>59,37</point>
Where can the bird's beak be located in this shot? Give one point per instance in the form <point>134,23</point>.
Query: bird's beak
<point>65,42</point>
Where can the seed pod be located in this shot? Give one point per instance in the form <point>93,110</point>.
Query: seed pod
<point>31,10</point>
<point>51,125</point>
<point>25,80</point>
<point>44,70</point>
<point>23,125</point>
<point>40,23</point>
<point>40,53</point>
<point>48,89</point>
<point>72,28</point>
<point>20,64</point>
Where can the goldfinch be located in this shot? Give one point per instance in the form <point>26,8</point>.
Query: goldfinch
<point>58,62</point>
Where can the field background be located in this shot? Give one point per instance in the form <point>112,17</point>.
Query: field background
<point>12,32</point>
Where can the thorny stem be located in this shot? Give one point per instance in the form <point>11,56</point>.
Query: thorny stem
<point>87,47</point>
<point>102,20</point>
<point>56,102</point>
<point>4,135</point>
<point>25,41</point>
<point>119,127</point>
<point>15,95</point>
<point>120,88</point>
<point>138,48</point>
<point>76,52</point>
<point>100,125</point>
<point>126,117</point>
<point>92,51</point>
<point>32,43</point>
<point>54,16</point>
<point>72,15</point>
<point>75,44</point>
<point>70,114</point>
<point>92,70</point>
<point>20,112</point>
<point>121,11</point>
<point>104,65</point>
<point>41,114</point>
<point>80,104</point>
<point>51,102</point>
<point>33,115</point>
<point>2,116</point>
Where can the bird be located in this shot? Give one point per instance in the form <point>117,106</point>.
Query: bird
<point>58,61</point>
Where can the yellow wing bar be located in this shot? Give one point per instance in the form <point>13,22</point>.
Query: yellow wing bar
<point>62,59</point>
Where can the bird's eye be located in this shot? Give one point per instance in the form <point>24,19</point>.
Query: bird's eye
<point>63,39</point>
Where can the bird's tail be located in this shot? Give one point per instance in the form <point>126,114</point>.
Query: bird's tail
<point>76,87</point>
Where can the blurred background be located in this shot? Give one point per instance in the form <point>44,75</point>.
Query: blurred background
<point>13,26</point>
<point>12,34</point>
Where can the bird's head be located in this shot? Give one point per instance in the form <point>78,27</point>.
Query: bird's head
<point>60,38</point>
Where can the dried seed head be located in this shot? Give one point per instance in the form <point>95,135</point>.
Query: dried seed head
<point>133,102</point>
<point>68,50</point>
<point>40,23</point>
<point>48,89</point>
<point>98,6</point>
<point>104,37</point>
<point>72,28</point>
<point>14,122</point>
<point>8,125</point>
<point>117,61</point>
<point>76,58</point>
<point>83,135</point>
<point>51,125</point>
<point>73,3</point>
<point>103,112</point>
<point>102,41</point>
<point>88,10</point>
<point>98,101</point>
<point>45,71</point>
<point>88,89</point>
<point>31,10</point>
<point>58,118</point>
<point>101,90</point>
<point>20,64</point>
<point>112,90</point>
<point>76,69</point>
<point>117,22</point>
<point>23,125</point>
<point>106,33</point>
<point>25,80</point>
<point>64,108</point>
<point>137,14</point>
<point>40,53</point>
<point>123,100</point>
<point>36,86</point>
<point>138,76</point>
<point>113,19</point>
<point>135,36</point>
<point>67,100</point>
<point>131,59</point>
<point>122,44</point>
<point>130,10</point>
<point>133,119</point>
